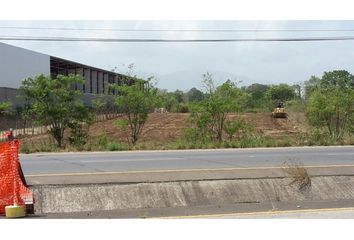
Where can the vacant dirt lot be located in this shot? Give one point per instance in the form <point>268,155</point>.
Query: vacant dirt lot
<point>166,127</point>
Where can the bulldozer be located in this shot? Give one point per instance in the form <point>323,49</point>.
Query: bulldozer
<point>279,111</point>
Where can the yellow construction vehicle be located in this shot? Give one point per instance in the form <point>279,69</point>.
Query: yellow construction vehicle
<point>279,111</point>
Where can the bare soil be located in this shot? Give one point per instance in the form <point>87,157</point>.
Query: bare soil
<point>162,128</point>
<point>167,127</point>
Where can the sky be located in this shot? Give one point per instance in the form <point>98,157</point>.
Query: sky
<point>181,65</point>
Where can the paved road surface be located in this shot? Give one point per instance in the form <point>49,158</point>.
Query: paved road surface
<point>306,214</point>
<point>57,163</point>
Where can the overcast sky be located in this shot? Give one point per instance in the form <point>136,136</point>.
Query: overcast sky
<point>180,65</point>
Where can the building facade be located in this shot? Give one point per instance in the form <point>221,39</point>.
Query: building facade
<point>17,64</point>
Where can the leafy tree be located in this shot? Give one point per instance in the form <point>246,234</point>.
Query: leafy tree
<point>167,100</point>
<point>233,127</point>
<point>236,126</point>
<point>311,85</point>
<point>339,78</point>
<point>257,90</point>
<point>333,109</point>
<point>195,95</point>
<point>297,89</point>
<point>257,95</point>
<point>281,92</point>
<point>79,126</point>
<point>5,107</point>
<point>220,101</point>
<point>54,103</point>
<point>136,101</point>
<point>99,104</point>
<point>204,125</point>
<point>180,96</point>
<point>331,103</point>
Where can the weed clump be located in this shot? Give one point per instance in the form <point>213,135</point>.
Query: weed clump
<point>299,175</point>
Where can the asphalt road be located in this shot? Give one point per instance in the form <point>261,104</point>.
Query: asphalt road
<point>59,163</point>
<point>345,213</point>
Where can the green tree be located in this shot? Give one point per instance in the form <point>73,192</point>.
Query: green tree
<point>136,101</point>
<point>167,100</point>
<point>5,107</point>
<point>297,89</point>
<point>331,103</point>
<point>195,95</point>
<point>281,92</point>
<point>341,79</point>
<point>180,96</point>
<point>220,101</point>
<point>237,126</point>
<point>333,109</point>
<point>99,104</point>
<point>257,95</point>
<point>55,104</point>
<point>233,127</point>
<point>311,85</point>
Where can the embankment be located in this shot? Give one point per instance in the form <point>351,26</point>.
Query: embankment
<point>64,198</point>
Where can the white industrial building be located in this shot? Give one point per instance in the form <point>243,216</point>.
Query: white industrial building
<point>17,64</point>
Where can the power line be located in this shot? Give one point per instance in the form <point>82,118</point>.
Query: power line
<point>175,30</point>
<point>68,39</point>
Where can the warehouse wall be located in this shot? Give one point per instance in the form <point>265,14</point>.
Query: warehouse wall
<point>94,82</point>
<point>7,94</point>
<point>17,64</point>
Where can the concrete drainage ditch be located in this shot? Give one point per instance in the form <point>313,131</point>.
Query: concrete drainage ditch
<point>111,196</point>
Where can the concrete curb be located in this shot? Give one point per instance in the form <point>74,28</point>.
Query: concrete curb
<point>179,175</point>
<point>189,150</point>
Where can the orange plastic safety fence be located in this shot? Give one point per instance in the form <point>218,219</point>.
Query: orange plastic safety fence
<point>12,189</point>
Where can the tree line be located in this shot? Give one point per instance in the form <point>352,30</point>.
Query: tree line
<point>328,102</point>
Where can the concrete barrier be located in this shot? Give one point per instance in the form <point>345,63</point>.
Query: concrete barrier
<point>97,197</point>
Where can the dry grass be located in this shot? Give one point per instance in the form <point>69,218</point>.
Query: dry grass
<point>299,175</point>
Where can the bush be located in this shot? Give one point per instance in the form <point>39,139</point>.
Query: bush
<point>190,134</point>
<point>295,106</point>
<point>114,146</point>
<point>320,137</point>
<point>78,135</point>
<point>332,108</point>
<point>25,148</point>
<point>102,141</point>
<point>43,146</point>
<point>182,108</point>
<point>232,128</point>
<point>226,144</point>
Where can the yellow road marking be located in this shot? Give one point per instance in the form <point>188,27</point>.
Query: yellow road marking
<point>261,213</point>
<point>175,170</point>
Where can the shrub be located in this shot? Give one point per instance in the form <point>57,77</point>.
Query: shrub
<point>233,127</point>
<point>78,135</point>
<point>190,134</point>
<point>114,146</point>
<point>25,148</point>
<point>102,141</point>
<point>182,108</point>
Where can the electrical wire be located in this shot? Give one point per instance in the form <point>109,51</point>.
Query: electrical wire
<point>175,30</point>
<point>69,39</point>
